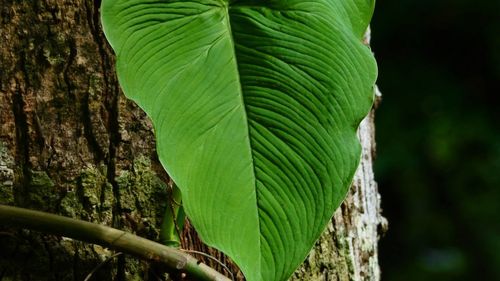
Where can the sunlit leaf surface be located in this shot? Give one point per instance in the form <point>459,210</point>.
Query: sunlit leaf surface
<point>255,105</point>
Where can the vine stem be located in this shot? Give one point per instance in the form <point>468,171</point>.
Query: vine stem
<point>173,219</point>
<point>108,237</point>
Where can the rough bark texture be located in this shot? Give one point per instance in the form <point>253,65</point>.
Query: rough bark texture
<point>70,143</point>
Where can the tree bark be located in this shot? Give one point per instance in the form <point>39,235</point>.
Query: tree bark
<point>72,144</point>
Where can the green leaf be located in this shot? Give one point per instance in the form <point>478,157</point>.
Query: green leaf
<point>255,105</point>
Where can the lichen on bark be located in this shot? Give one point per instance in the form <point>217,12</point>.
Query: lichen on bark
<point>70,143</point>
<point>6,176</point>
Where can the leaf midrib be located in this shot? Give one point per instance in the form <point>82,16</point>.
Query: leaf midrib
<point>227,18</point>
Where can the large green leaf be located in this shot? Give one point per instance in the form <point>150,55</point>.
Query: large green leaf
<point>255,106</point>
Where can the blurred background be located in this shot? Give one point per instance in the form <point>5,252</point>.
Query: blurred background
<point>438,138</point>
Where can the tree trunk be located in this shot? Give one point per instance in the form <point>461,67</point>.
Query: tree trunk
<point>72,144</point>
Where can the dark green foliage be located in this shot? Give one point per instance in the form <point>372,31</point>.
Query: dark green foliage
<point>439,139</point>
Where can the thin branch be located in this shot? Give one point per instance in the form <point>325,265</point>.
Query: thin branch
<point>109,237</point>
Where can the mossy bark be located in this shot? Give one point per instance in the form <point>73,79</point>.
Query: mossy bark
<point>72,144</point>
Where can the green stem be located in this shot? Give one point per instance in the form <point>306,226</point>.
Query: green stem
<point>173,220</point>
<point>108,237</point>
